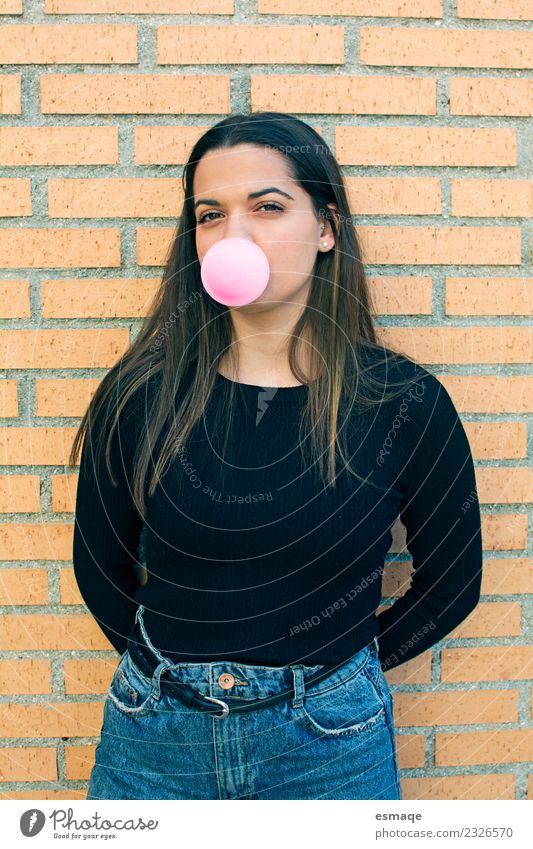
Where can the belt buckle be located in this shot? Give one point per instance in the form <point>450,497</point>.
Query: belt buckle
<point>225,707</point>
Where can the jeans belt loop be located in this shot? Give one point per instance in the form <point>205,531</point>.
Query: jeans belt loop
<point>299,686</point>
<point>156,678</point>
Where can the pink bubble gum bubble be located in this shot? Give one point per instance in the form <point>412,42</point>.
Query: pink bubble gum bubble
<point>235,272</point>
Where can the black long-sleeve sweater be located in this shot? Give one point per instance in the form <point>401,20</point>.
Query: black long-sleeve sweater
<point>263,565</point>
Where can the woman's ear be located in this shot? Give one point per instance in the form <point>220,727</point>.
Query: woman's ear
<point>327,233</point>
<point>336,217</point>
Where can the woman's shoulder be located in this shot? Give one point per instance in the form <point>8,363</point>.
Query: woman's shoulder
<point>139,401</point>
<point>391,365</point>
<point>419,395</point>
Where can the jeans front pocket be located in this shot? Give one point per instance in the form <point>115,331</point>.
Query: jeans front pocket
<point>355,705</point>
<point>130,691</point>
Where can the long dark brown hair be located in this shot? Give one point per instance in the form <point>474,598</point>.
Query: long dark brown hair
<point>186,329</point>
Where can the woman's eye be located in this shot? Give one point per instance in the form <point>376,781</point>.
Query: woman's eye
<point>274,206</point>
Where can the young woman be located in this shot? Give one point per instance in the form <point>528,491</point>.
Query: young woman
<point>248,464</point>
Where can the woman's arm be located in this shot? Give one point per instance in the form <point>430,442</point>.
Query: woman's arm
<point>106,533</point>
<point>440,510</point>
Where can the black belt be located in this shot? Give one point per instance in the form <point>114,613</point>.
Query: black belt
<point>191,697</point>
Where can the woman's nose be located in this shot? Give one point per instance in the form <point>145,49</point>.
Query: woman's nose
<point>237,226</point>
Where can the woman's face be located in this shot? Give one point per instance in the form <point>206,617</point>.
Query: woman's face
<point>283,225</point>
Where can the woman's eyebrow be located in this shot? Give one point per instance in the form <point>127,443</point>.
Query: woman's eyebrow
<point>251,196</point>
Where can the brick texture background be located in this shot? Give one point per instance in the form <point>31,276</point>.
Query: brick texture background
<point>428,106</point>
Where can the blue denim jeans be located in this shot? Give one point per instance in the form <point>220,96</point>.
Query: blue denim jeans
<point>335,740</point>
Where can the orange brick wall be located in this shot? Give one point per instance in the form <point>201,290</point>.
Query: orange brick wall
<point>428,106</point>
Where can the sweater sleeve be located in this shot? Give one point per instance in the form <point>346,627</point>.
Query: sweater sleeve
<point>107,528</point>
<point>440,511</point>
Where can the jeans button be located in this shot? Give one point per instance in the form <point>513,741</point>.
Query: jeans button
<point>226,680</point>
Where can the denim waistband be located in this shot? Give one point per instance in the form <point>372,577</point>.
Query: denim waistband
<point>246,681</point>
